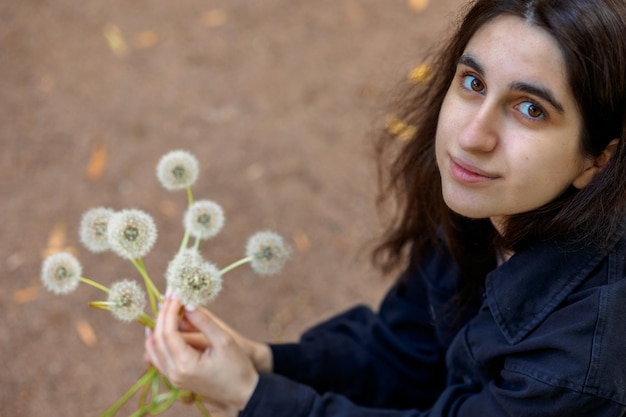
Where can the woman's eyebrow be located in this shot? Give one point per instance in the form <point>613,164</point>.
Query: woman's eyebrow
<point>469,61</point>
<point>538,91</point>
<point>523,87</point>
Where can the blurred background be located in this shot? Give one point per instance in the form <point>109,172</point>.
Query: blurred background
<point>278,99</point>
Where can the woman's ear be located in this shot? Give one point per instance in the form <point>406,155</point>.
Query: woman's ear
<point>595,165</point>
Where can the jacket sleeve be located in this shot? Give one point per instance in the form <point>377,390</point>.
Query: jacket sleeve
<point>376,359</point>
<point>517,395</point>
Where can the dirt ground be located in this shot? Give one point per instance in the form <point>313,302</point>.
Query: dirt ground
<point>278,100</point>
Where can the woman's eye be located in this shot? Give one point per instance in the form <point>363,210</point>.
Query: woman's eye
<point>531,110</point>
<point>472,83</point>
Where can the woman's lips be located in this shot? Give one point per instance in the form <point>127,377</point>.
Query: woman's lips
<point>466,172</point>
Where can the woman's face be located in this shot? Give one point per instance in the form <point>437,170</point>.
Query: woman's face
<point>508,137</point>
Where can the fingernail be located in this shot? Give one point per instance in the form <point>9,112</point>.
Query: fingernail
<point>148,331</point>
<point>168,292</point>
<point>190,309</point>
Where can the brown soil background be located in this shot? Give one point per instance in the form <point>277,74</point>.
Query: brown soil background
<point>278,100</point>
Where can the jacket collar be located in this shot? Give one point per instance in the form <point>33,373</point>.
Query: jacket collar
<point>532,283</point>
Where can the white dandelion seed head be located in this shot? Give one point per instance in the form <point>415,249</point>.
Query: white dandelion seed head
<point>195,281</point>
<point>131,233</point>
<point>126,300</point>
<point>93,229</point>
<point>61,273</point>
<point>185,258</point>
<point>204,219</point>
<point>177,170</point>
<point>268,252</point>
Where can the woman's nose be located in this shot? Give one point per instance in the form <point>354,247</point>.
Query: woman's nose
<point>480,132</point>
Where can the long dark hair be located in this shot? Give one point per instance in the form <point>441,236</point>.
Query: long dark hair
<point>591,35</point>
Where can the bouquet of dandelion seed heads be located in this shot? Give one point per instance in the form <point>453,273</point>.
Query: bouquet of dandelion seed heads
<point>131,234</point>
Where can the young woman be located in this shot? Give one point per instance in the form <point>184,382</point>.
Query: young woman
<point>511,201</point>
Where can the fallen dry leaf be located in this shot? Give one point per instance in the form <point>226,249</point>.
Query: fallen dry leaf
<point>301,240</point>
<point>115,39</point>
<point>97,162</point>
<point>169,208</point>
<point>26,295</point>
<point>418,5</point>
<point>14,261</point>
<point>57,241</point>
<point>86,333</point>
<point>214,18</point>
<point>145,39</point>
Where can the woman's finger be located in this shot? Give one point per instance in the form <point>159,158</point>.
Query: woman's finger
<point>205,322</point>
<point>165,331</point>
<point>185,326</point>
<point>179,352</point>
<point>217,321</point>
<point>196,340</point>
<point>151,352</point>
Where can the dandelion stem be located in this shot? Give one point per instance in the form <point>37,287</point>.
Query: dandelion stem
<point>94,284</point>
<point>149,282</point>
<point>146,320</point>
<point>165,401</point>
<point>153,292</point>
<point>185,242</point>
<point>144,393</point>
<point>155,388</point>
<point>143,380</point>
<point>166,383</point>
<point>159,404</point>
<point>142,411</point>
<point>196,244</point>
<point>201,407</point>
<point>189,196</point>
<point>235,265</point>
<point>100,305</point>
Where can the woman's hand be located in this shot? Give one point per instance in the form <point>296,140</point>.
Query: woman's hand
<point>259,353</point>
<point>223,372</point>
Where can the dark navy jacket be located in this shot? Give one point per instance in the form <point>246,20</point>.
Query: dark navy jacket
<point>548,340</point>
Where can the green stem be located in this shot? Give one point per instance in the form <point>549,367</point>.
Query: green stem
<point>141,411</point>
<point>94,284</point>
<point>146,320</point>
<point>153,292</point>
<point>147,376</point>
<point>166,382</point>
<point>165,401</point>
<point>100,305</point>
<point>202,409</point>
<point>143,318</point>
<point>185,242</point>
<point>149,282</point>
<point>144,392</point>
<point>196,244</point>
<point>155,389</point>
<point>235,265</point>
<point>189,196</point>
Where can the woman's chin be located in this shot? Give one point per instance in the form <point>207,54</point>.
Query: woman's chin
<point>468,211</point>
